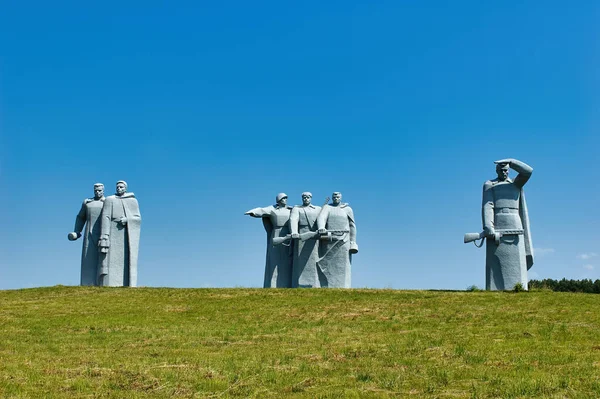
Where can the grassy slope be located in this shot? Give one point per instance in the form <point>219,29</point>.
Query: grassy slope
<point>151,342</point>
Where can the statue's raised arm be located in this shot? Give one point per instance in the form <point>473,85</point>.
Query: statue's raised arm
<point>524,171</point>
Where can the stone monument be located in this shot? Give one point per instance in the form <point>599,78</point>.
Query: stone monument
<point>509,252</point>
<point>303,225</point>
<point>278,265</point>
<point>337,231</point>
<point>120,238</point>
<point>89,216</point>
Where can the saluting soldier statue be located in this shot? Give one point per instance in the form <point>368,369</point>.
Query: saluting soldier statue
<point>509,251</point>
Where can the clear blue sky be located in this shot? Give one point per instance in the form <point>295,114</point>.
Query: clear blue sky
<point>208,109</point>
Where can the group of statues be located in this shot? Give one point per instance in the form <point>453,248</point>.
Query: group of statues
<point>308,245</point>
<point>110,239</point>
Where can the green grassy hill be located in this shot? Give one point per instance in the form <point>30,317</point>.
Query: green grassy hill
<point>219,343</point>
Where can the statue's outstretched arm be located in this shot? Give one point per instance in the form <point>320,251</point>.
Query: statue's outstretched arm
<point>259,212</point>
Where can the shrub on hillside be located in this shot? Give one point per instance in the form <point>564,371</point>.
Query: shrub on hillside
<point>519,288</point>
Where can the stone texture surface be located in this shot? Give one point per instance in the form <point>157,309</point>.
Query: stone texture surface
<point>89,217</point>
<point>120,237</point>
<point>278,264</point>
<point>303,219</point>
<point>337,243</point>
<point>509,251</point>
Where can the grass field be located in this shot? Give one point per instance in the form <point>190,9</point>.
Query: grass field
<point>156,342</point>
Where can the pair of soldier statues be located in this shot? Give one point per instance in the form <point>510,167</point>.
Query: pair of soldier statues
<point>110,239</point>
<point>307,245</point>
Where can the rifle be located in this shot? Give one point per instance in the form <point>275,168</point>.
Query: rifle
<point>333,235</point>
<point>303,237</point>
<point>336,235</point>
<point>472,237</point>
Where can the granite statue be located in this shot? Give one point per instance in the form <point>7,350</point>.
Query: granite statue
<point>89,217</point>
<point>509,251</point>
<point>120,238</point>
<point>337,230</point>
<point>303,220</point>
<point>278,265</point>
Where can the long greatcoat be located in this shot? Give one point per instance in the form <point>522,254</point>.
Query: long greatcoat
<point>89,216</point>
<point>278,263</point>
<point>306,253</point>
<point>335,259</point>
<point>504,208</point>
<point>119,267</point>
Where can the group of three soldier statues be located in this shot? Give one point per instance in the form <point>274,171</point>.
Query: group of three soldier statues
<point>308,245</point>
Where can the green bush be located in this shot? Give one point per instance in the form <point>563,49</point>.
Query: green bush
<point>519,288</point>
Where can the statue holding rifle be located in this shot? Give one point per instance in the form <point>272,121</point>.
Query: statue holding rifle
<point>337,231</point>
<point>120,239</point>
<point>278,265</point>
<point>509,252</point>
<point>303,222</point>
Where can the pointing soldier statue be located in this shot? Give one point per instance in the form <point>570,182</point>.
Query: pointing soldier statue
<point>278,265</point>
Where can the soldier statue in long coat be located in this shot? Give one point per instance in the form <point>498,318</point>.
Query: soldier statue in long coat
<point>120,238</point>
<point>306,251</point>
<point>337,231</point>
<point>278,265</point>
<point>89,216</point>
<point>509,251</point>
